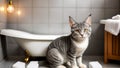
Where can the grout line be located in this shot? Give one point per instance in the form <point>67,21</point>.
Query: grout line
<point>32,9</point>
<point>62,16</point>
<point>76,10</point>
<point>17,15</point>
<point>48,18</point>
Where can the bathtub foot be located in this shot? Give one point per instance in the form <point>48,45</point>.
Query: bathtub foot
<point>27,58</point>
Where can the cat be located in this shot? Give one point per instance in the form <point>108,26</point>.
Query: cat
<point>67,51</point>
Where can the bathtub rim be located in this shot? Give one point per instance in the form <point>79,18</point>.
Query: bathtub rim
<point>13,33</point>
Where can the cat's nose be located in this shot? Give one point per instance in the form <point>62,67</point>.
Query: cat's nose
<point>82,35</point>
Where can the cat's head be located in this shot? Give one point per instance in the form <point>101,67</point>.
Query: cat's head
<point>80,31</point>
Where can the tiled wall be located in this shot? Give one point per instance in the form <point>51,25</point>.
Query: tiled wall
<point>2,24</point>
<point>51,17</point>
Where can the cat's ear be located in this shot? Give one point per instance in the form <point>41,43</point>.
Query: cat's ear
<point>89,20</point>
<point>71,21</point>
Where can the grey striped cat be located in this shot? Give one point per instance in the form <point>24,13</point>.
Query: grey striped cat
<point>67,51</point>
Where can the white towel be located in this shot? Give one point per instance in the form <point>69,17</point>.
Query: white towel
<point>33,64</point>
<point>43,67</point>
<point>116,17</point>
<point>112,26</point>
<point>19,65</point>
<point>95,64</point>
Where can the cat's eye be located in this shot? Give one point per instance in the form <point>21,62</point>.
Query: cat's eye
<point>85,30</point>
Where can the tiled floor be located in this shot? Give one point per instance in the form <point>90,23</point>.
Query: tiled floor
<point>86,60</point>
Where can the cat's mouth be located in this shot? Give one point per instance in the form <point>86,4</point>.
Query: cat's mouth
<point>81,37</point>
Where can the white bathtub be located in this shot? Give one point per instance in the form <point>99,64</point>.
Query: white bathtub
<point>35,44</point>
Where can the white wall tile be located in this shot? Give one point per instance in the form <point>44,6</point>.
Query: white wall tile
<point>3,17</point>
<point>66,29</point>
<point>55,15</point>
<point>69,3</point>
<point>84,3</point>
<point>24,3</point>
<point>109,13</point>
<point>97,15</point>
<point>2,2</point>
<point>15,3</point>
<point>112,3</point>
<point>92,48</point>
<point>12,18</point>
<point>97,31</point>
<point>55,3</point>
<point>82,14</point>
<point>25,27</point>
<point>68,12</point>
<point>55,28</point>
<point>40,3</point>
<point>12,26</point>
<point>40,28</point>
<point>40,15</point>
<point>3,25</point>
<point>98,3</point>
<point>26,15</point>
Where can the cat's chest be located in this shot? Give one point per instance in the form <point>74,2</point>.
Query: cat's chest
<point>82,44</point>
<point>80,47</point>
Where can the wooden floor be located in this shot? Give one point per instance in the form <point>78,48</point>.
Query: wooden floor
<point>86,59</point>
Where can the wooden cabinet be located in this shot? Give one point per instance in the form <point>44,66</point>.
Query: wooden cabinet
<point>111,47</point>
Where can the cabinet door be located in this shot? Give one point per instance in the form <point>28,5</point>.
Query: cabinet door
<point>113,47</point>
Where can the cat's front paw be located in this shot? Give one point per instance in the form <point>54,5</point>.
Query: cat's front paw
<point>82,66</point>
<point>61,66</point>
<point>75,67</point>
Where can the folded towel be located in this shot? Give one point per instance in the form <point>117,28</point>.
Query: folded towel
<point>19,65</point>
<point>112,26</point>
<point>43,67</point>
<point>116,17</point>
<point>33,64</point>
<point>95,64</point>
